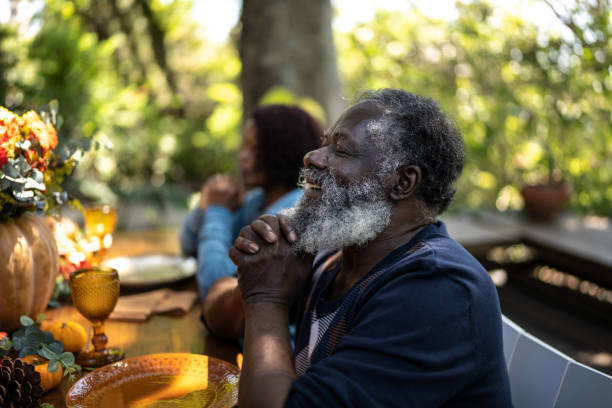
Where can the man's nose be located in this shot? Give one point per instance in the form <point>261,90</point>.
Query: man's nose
<point>316,158</point>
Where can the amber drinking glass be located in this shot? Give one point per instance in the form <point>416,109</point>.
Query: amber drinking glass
<point>100,221</point>
<point>94,293</point>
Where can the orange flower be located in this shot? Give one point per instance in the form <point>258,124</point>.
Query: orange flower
<point>9,126</point>
<point>6,115</point>
<point>43,132</point>
<point>13,130</point>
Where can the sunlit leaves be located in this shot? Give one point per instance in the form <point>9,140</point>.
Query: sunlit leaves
<point>530,104</point>
<point>225,92</point>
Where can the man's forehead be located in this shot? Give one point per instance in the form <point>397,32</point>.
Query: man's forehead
<point>358,113</point>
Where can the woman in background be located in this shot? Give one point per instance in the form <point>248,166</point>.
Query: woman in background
<point>274,141</point>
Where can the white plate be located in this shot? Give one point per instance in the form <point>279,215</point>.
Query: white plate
<point>152,269</point>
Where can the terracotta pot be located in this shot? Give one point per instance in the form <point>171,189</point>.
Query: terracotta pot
<point>29,263</point>
<point>544,202</point>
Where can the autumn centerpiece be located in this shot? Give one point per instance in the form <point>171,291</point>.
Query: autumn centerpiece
<point>32,168</point>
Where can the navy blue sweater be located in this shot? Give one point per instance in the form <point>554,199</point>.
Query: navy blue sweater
<point>421,329</point>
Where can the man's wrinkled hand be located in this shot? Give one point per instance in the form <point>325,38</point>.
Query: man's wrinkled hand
<point>269,269</point>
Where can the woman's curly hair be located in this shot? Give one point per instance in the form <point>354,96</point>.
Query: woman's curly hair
<point>284,135</point>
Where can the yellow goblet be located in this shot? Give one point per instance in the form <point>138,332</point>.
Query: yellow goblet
<point>94,293</point>
<point>100,221</point>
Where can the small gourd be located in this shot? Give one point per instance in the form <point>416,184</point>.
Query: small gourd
<point>48,380</point>
<point>71,333</point>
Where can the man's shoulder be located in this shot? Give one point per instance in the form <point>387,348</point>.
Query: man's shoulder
<point>432,250</point>
<point>434,264</point>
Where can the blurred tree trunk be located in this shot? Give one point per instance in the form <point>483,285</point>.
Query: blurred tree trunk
<point>290,44</point>
<point>126,27</point>
<point>158,44</point>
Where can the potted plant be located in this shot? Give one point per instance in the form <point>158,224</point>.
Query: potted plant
<point>545,193</point>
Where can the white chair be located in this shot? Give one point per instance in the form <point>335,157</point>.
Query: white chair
<point>585,387</point>
<point>510,333</point>
<point>536,372</point>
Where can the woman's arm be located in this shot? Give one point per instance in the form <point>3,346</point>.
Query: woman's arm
<point>188,238</point>
<point>223,311</point>
<point>214,240</point>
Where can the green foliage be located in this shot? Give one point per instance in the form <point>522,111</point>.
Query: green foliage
<point>160,102</point>
<point>32,167</point>
<point>163,105</point>
<point>532,107</point>
<point>30,339</point>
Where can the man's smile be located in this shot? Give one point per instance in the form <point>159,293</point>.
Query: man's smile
<point>309,183</point>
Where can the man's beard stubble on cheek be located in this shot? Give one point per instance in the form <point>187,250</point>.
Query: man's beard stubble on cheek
<point>342,216</point>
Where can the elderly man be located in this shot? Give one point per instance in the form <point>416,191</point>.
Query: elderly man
<point>401,315</point>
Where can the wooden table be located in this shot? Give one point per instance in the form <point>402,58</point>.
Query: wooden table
<point>159,334</point>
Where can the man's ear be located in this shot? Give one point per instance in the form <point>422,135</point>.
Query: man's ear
<point>407,179</point>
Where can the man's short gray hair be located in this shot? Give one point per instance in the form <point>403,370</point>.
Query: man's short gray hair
<point>413,130</point>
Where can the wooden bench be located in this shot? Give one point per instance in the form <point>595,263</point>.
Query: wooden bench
<point>541,376</point>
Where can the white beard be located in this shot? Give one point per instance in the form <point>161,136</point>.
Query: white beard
<point>343,216</point>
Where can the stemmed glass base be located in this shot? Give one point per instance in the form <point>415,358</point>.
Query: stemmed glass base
<point>93,359</point>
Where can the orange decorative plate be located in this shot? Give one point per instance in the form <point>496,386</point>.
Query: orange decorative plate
<point>158,380</point>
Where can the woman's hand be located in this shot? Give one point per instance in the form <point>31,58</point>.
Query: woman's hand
<point>221,189</point>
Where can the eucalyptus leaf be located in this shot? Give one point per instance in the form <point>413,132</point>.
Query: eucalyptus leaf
<point>22,165</point>
<point>54,303</point>
<point>4,183</point>
<point>47,337</point>
<point>49,355</point>
<point>86,144</point>
<point>33,184</point>
<point>53,365</point>
<point>59,121</point>
<point>54,109</point>
<point>60,198</point>
<point>56,346</point>
<point>19,334</point>
<point>67,359</point>
<point>23,144</point>
<point>30,330</point>
<point>37,176</point>
<point>19,342</point>
<point>34,340</point>
<point>23,196</point>
<point>11,169</point>
<point>26,321</point>
<point>63,153</point>
<point>27,351</point>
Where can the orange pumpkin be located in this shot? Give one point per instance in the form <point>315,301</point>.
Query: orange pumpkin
<point>29,263</point>
<point>72,334</point>
<point>48,380</point>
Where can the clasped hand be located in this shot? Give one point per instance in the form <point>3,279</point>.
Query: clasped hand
<point>269,269</point>
<point>221,189</point>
